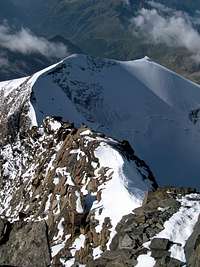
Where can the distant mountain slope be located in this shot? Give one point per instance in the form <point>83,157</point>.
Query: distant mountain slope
<point>104,28</point>
<point>140,101</point>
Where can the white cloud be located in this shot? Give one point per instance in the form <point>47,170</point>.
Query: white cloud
<point>25,42</point>
<point>175,30</point>
<point>159,6</point>
<point>195,19</point>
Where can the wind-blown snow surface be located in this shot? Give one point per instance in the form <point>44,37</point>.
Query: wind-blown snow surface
<point>122,173</point>
<point>140,101</point>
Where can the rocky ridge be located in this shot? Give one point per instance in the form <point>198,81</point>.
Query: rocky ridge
<point>70,196</point>
<point>52,178</point>
<point>53,205</point>
<point>125,100</point>
<point>142,234</point>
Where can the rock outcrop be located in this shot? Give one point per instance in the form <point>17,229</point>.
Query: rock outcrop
<point>138,233</point>
<point>24,244</point>
<point>54,182</point>
<point>70,196</point>
<point>192,247</point>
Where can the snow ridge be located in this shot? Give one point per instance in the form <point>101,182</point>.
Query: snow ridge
<point>139,101</point>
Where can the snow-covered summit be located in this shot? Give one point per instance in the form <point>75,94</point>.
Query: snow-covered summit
<point>153,108</point>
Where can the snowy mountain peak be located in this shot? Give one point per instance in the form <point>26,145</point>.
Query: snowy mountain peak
<point>140,101</point>
<point>147,58</point>
<point>79,197</point>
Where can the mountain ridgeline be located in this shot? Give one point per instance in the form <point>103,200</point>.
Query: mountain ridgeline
<point>99,166</point>
<point>125,100</point>
<point>97,28</point>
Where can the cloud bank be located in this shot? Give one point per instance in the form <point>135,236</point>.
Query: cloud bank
<point>25,42</point>
<point>175,29</point>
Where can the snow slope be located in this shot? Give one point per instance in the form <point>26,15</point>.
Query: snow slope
<point>140,101</point>
<point>121,186</point>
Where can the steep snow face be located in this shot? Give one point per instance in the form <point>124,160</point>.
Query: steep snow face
<point>121,186</point>
<point>12,94</point>
<point>140,101</point>
<point>15,103</point>
<point>19,88</point>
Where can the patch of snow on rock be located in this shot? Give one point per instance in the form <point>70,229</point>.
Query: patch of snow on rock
<point>126,184</point>
<point>145,261</point>
<point>180,226</point>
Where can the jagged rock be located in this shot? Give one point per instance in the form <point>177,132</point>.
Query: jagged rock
<point>166,261</point>
<point>52,173</point>
<point>126,242</point>
<point>160,226</point>
<point>113,259</point>
<point>27,244</point>
<point>145,223</point>
<point>192,247</point>
<point>4,230</point>
<point>159,253</point>
<point>160,244</point>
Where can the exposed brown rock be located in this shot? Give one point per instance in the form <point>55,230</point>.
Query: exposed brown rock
<point>26,244</point>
